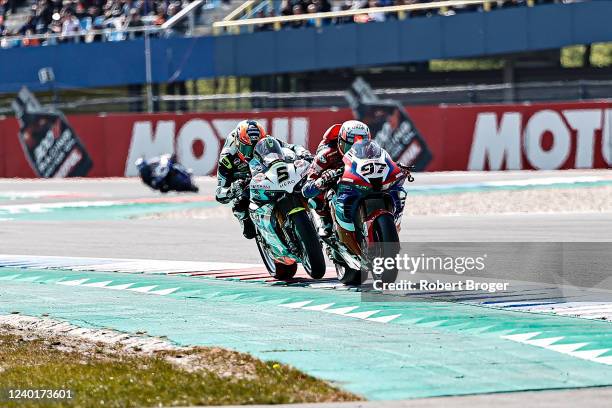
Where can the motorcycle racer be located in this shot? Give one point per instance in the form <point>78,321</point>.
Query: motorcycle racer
<point>159,173</point>
<point>337,140</point>
<point>233,172</point>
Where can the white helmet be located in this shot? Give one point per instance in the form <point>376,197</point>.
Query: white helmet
<point>352,131</point>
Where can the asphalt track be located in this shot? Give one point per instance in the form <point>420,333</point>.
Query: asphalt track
<point>427,349</point>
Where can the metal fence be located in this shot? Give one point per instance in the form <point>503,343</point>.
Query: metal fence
<point>468,94</point>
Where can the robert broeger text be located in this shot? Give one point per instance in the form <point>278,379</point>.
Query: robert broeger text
<point>438,285</point>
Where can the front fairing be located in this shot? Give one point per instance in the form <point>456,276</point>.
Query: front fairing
<point>369,174</point>
<point>279,177</point>
<point>274,181</point>
<point>369,168</point>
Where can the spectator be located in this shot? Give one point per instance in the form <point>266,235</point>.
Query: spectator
<point>297,10</point>
<point>173,9</point>
<point>70,25</point>
<point>56,26</point>
<point>378,16</point>
<point>160,17</point>
<point>312,8</point>
<point>135,22</point>
<point>4,8</point>
<point>67,17</point>
<point>263,27</point>
<point>45,15</point>
<point>323,6</point>
<point>27,41</point>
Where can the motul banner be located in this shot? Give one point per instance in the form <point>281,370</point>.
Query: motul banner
<point>478,137</point>
<point>539,136</point>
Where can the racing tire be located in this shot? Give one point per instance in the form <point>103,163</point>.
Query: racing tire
<point>313,259</point>
<point>349,276</point>
<point>385,231</point>
<point>277,270</point>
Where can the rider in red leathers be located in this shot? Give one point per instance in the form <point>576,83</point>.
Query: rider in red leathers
<point>337,140</point>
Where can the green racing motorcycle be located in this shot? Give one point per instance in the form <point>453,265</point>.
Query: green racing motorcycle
<point>286,234</point>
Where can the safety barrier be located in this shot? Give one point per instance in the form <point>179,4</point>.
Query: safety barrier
<point>478,137</point>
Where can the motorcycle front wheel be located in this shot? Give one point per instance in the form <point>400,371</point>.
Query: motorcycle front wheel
<point>313,259</point>
<point>385,231</point>
<point>277,270</point>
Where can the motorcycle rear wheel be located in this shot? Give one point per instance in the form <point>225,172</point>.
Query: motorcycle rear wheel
<point>277,270</point>
<point>349,276</point>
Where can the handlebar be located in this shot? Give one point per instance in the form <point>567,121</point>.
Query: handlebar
<point>406,170</point>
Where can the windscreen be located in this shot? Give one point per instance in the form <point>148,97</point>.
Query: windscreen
<point>268,151</point>
<point>366,149</point>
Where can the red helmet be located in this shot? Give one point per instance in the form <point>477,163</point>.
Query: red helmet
<point>352,131</point>
<point>331,134</point>
<point>248,133</point>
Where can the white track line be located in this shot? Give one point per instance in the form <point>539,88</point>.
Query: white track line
<point>572,349</point>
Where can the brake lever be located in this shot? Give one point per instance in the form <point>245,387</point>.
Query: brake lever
<point>407,171</point>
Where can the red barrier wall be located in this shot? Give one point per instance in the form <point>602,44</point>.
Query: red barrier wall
<point>478,137</point>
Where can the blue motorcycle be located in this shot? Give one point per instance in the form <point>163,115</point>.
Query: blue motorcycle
<point>165,173</point>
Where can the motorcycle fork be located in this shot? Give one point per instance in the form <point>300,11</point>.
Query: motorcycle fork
<point>369,210</point>
<point>295,204</point>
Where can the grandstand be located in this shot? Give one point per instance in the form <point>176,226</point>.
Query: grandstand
<point>121,55</point>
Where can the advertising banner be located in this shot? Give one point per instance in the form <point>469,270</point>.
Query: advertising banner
<point>390,125</point>
<point>473,137</point>
<point>51,146</point>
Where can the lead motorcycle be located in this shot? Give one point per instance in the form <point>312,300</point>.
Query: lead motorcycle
<point>286,235</point>
<point>366,208</point>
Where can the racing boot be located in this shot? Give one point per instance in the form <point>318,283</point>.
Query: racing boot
<point>241,212</point>
<point>326,228</point>
<point>248,228</point>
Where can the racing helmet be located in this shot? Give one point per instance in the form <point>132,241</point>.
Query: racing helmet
<point>248,133</point>
<point>140,163</point>
<point>351,132</point>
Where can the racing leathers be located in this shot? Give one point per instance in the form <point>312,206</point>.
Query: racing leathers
<point>154,172</point>
<point>326,162</point>
<point>233,175</point>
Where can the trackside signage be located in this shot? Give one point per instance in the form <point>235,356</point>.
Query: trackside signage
<point>547,139</point>
<point>475,137</point>
<point>198,142</point>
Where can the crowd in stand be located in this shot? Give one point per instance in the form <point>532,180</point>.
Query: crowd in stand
<point>74,20</point>
<point>299,7</point>
<point>69,17</point>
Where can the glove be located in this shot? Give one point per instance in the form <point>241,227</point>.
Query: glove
<point>237,188</point>
<point>305,155</point>
<point>327,177</point>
